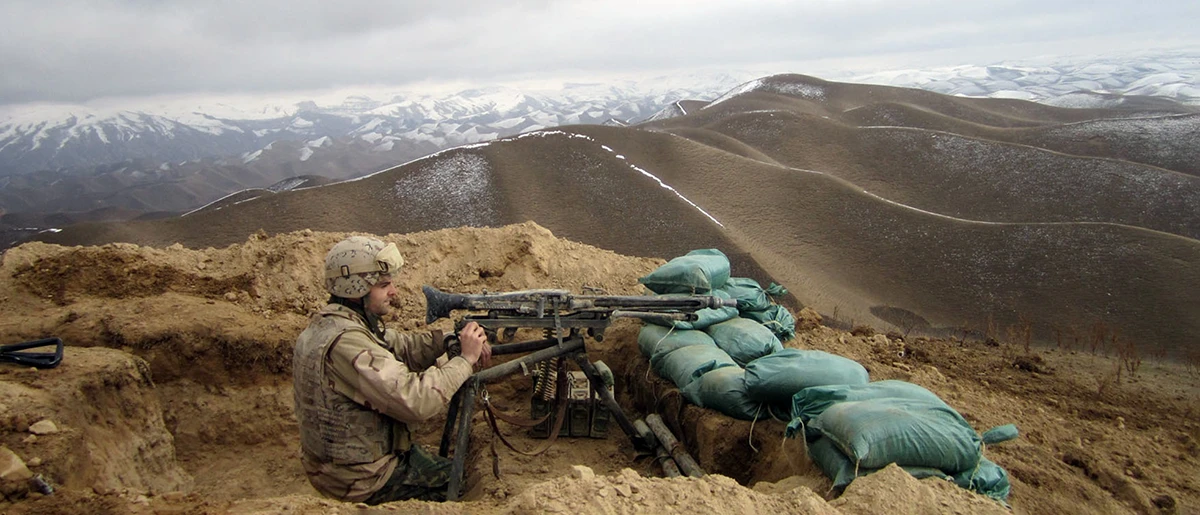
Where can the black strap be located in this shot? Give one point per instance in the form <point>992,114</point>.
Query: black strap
<point>560,414</point>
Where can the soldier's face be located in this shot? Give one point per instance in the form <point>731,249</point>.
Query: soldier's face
<point>379,299</point>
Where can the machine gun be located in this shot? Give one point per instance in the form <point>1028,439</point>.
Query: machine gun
<point>566,318</point>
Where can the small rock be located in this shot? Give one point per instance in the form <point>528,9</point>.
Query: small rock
<point>1121,423</point>
<point>31,439</point>
<point>141,499</point>
<point>101,490</point>
<point>12,467</point>
<point>201,266</point>
<point>603,492</point>
<point>175,496</point>
<point>43,427</point>
<point>582,472</point>
<point>33,462</point>
<point>361,505</point>
<point>623,490</point>
<point>230,296</point>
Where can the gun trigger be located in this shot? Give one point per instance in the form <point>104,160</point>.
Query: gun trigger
<point>524,369</point>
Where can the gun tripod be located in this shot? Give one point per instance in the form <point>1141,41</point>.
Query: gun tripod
<point>462,406</point>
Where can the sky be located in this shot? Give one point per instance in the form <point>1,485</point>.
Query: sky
<point>75,51</point>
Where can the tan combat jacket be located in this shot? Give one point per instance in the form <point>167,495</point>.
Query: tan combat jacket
<point>355,395</point>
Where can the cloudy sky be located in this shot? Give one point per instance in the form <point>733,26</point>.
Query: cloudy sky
<point>80,50</point>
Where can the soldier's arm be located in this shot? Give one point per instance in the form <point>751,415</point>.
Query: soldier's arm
<point>373,377</point>
<point>418,350</point>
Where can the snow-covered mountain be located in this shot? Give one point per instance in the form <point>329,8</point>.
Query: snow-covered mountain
<point>78,137</point>
<point>1061,81</point>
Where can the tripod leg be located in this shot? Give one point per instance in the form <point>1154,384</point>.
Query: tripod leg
<point>607,397</point>
<point>454,489</point>
<point>448,429</point>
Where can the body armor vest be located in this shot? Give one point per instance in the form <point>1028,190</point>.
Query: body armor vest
<point>334,428</point>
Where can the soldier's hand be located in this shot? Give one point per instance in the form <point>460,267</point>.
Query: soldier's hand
<point>473,342</point>
<point>485,358</point>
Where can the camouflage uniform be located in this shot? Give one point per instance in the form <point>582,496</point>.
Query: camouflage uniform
<point>355,394</point>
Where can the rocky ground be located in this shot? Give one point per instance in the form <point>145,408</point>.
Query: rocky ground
<point>175,395</point>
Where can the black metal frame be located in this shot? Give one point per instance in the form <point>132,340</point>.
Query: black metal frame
<point>462,406</point>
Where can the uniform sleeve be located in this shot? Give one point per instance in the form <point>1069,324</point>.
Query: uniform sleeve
<point>417,350</point>
<point>370,375</point>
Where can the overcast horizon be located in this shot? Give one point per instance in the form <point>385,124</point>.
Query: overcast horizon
<point>76,51</point>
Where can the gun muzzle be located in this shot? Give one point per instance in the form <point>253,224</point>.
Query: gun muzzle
<point>439,304</point>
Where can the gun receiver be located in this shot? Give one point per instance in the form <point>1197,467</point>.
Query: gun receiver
<point>562,309</point>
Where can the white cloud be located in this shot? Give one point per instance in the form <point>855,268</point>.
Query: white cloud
<point>73,50</point>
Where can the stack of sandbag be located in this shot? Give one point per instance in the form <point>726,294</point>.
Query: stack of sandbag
<point>754,303</point>
<point>855,429</point>
<point>775,379</point>
<point>707,272</point>
<point>680,355</point>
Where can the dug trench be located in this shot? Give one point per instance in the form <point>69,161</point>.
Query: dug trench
<point>175,395</point>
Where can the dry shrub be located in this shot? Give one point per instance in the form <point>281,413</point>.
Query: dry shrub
<point>1097,336</point>
<point>1128,354</point>
<point>1111,380</point>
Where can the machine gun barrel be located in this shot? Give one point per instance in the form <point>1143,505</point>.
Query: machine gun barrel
<point>539,303</point>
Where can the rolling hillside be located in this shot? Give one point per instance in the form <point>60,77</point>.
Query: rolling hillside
<point>865,201</point>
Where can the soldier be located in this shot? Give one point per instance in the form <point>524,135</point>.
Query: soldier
<point>358,385</point>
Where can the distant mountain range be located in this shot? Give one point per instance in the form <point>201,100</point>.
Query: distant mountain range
<point>173,155</point>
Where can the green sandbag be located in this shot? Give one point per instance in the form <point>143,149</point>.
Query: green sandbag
<point>750,296</point>
<point>909,433</point>
<point>1000,434</point>
<point>745,340</point>
<point>777,318</point>
<point>776,378</point>
<point>656,341</point>
<point>724,390</point>
<point>698,272</point>
<point>810,402</point>
<point>841,470</point>
<point>704,317</point>
<point>682,366</point>
<point>989,479</point>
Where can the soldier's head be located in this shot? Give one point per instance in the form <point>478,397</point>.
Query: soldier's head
<point>361,268</point>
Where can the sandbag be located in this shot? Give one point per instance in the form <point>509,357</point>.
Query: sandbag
<point>704,317</point>
<point>909,433</point>
<point>745,340</point>
<point>724,390</point>
<point>697,272</point>
<point>1000,434</point>
<point>776,378</point>
<point>810,402</point>
<point>656,341</point>
<point>750,296</point>
<point>776,318</point>
<point>839,469</point>
<point>683,365</point>
<point>988,479</point>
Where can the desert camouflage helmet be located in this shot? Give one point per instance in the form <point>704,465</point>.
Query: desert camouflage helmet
<point>358,262</point>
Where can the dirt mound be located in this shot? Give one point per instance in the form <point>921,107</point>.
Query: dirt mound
<point>95,422</point>
<point>175,394</point>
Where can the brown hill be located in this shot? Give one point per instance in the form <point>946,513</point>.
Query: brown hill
<point>964,232</point>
